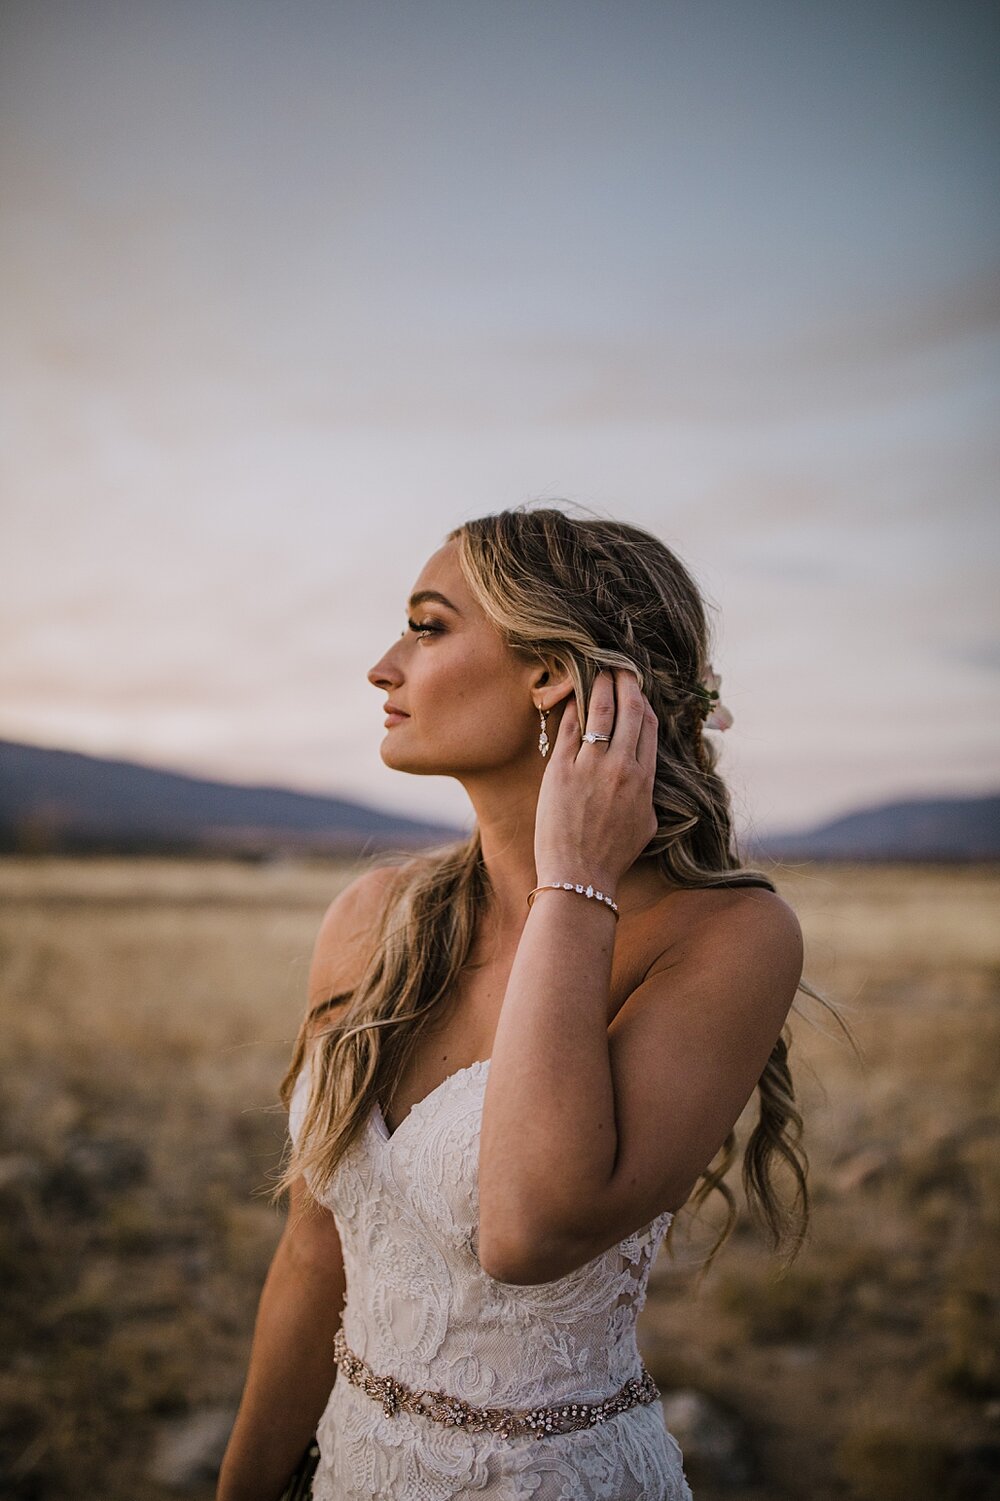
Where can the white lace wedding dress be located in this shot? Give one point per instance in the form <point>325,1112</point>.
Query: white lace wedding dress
<point>420,1308</point>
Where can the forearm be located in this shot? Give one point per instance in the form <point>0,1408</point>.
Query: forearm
<point>549,1137</point>
<point>289,1379</point>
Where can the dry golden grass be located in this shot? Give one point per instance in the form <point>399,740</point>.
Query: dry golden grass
<point>148,1011</point>
<point>870,1369</point>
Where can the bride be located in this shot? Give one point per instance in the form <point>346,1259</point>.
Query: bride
<point>523,1053</point>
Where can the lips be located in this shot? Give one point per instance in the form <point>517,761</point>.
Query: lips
<point>394,715</point>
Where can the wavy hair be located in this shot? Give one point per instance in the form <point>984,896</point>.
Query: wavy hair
<point>592,594</point>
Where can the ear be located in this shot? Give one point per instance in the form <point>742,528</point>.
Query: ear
<point>551,682</point>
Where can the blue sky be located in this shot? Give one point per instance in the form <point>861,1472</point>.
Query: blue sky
<point>294,289</point>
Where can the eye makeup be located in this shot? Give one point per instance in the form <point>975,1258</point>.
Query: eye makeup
<point>425,628</point>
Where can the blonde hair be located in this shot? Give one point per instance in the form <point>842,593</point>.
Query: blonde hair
<point>590,593</point>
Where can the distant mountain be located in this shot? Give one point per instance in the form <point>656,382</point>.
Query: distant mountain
<point>53,800</point>
<point>944,828</point>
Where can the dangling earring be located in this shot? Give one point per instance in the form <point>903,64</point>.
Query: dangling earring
<point>543,739</point>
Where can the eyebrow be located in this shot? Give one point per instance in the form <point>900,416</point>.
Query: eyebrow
<point>425,595</point>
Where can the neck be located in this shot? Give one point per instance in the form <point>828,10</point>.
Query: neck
<point>505,814</point>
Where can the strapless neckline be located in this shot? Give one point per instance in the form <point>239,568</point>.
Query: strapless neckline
<point>458,1073</point>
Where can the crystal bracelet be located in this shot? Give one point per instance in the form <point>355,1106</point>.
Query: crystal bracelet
<point>597,896</point>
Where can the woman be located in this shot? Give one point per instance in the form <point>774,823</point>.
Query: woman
<point>521,1054</point>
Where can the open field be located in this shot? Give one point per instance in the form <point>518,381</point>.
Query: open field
<point>148,1009</point>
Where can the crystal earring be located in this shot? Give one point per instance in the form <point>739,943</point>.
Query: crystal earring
<point>543,739</point>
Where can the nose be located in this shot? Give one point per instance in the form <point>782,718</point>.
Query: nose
<point>385,675</point>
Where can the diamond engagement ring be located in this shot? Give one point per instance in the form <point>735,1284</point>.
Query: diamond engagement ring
<point>590,737</point>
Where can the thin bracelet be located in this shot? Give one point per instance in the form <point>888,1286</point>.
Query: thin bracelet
<point>597,896</point>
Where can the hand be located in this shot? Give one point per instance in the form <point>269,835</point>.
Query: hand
<point>595,808</point>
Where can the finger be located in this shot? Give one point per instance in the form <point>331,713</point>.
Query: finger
<point>600,711</point>
<point>567,741</point>
<point>631,703</point>
<point>649,736</point>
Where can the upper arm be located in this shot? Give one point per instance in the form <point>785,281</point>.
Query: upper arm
<point>341,952</point>
<point>688,1048</point>
<point>310,1240</point>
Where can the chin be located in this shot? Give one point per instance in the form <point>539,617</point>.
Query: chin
<point>396,758</point>
<point>416,765</point>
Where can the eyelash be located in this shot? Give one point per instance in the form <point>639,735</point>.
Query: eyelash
<point>429,628</point>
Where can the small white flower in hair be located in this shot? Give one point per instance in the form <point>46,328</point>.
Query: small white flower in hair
<point>718,716</point>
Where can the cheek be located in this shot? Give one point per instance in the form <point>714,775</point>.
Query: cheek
<point>471,688</point>
<point>445,677</point>
<point>490,714</point>
<point>464,674</point>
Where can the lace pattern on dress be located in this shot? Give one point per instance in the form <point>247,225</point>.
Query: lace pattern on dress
<point>420,1307</point>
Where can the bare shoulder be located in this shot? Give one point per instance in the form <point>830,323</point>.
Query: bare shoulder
<point>724,966</point>
<point>727,928</point>
<point>741,912</point>
<point>345,942</point>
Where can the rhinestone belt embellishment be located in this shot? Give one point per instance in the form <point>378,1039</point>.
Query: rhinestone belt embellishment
<point>505,1422</point>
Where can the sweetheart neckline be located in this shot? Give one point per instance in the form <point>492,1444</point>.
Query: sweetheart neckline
<point>380,1120</point>
<point>377,1119</point>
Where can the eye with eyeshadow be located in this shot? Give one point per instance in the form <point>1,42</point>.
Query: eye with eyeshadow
<point>425,627</point>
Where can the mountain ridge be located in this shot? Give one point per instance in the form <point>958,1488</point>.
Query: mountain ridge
<point>68,800</point>
<point>56,801</point>
<point>916,828</point>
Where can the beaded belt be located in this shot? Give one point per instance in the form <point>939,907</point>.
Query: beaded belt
<point>505,1422</point>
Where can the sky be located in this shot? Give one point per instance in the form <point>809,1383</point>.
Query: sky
<point>291,290</point>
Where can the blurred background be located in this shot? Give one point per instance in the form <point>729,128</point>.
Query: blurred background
<point>290,292</point>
